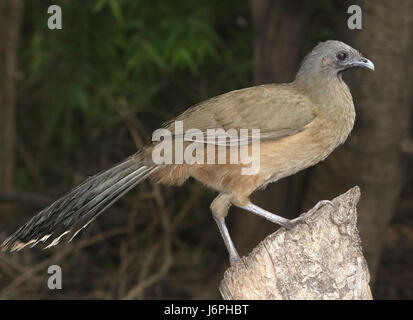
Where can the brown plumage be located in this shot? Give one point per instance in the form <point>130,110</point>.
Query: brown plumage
<point>300,123</point>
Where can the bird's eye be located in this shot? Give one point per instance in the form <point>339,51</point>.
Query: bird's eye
<point>341,56</point>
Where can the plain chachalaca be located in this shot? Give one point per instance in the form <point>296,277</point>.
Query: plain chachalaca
<point>300,124</point>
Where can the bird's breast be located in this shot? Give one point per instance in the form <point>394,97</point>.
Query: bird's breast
<point>289,155</point>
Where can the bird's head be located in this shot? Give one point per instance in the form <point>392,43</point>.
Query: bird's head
<point>331,58</point>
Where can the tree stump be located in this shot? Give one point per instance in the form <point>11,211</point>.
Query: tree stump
<point>320,258</point>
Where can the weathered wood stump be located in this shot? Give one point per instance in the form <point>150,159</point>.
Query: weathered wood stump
<point>319,259</point>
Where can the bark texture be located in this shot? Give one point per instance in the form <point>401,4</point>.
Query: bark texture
<point>319,259</point>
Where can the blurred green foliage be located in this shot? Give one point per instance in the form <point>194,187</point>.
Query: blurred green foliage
<point>151,58</point>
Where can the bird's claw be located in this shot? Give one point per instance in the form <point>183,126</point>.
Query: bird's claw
<point>292,223</point>
<point>233,259</point>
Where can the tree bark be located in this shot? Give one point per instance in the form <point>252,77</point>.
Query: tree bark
<point>319,259</point>
<point>372,155</point>
<point>11,13</point>
<point>280,30</point>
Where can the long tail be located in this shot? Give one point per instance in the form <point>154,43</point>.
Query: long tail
<point>75,210</point>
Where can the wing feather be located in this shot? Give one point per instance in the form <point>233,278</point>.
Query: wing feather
<point>276,110</point>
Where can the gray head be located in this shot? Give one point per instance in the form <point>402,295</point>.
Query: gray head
<point>331,58</point>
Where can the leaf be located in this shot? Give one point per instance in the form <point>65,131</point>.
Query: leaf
<point>114,6</point>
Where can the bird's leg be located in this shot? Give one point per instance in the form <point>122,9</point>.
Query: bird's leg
<point>233,254</point>
<point>268,215</point>
<point>288,224</point>
<point>219,208</point>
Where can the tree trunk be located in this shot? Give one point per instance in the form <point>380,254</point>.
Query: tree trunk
<point>11,12</point>
<point>371,157</point>
<point>319,259</point>
<point>280,31</point>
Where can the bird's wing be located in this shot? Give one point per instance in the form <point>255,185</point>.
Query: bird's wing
<point>276,110</point>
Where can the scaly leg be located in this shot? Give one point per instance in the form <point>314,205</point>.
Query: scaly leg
<point>233,254</point>
<point>267,215</point>
<point>219,208</point>
<point>288,224</point>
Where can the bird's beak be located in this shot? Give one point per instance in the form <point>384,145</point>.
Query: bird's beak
<point>363,62</point>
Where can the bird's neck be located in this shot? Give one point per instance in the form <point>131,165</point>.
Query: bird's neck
<point>330,93</point>
<point>333,97</point>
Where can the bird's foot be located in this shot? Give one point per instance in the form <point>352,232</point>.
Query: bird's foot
<point>233,258</point>
<point>292,223</point>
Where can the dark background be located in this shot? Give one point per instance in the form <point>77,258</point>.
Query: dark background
<point>77,100</point>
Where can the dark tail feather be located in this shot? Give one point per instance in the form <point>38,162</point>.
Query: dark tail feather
<point>74,211</point>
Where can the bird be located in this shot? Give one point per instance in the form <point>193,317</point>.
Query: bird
<point>299,124</point>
